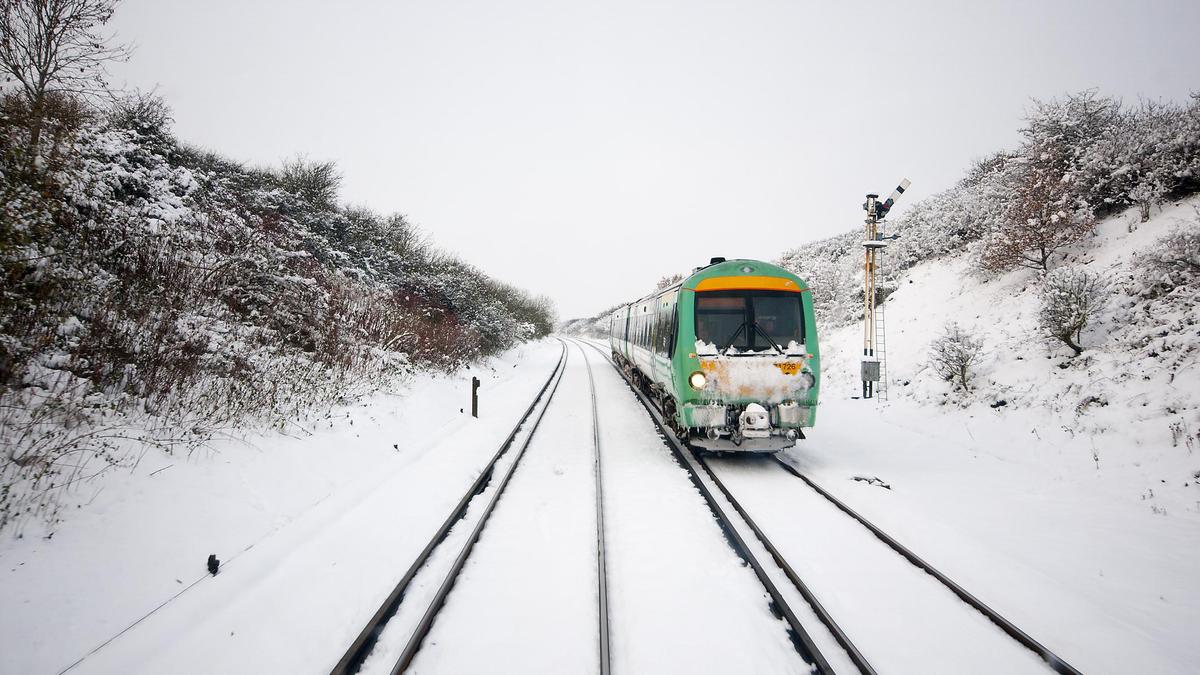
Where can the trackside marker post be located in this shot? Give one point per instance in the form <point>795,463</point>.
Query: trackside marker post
<point>474,397</point>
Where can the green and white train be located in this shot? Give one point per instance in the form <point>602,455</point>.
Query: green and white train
<point>729,354</point>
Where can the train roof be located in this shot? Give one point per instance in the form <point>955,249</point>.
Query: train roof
<point>737,273</point>
<point>744,273</point>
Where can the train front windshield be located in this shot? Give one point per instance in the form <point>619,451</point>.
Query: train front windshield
<point>749,321</point>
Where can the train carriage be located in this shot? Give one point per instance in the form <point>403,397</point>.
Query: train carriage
<point>729,354</point>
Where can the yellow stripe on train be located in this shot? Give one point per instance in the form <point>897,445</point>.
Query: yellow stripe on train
<point>749,283</point>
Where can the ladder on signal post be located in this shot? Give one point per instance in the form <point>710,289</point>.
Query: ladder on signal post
<point>881,387</point>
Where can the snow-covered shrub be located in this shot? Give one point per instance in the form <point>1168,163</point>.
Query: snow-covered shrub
<point>1173,261</point>
<point>157,294</point>
<point>1071,298</point>
<point>315,182</point>
<point>1148,154</point>
<point>954,354</point>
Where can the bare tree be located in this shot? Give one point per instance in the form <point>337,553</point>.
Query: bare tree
<point>953,354</point>
<point>51,47</point>
<point>1071,298</point>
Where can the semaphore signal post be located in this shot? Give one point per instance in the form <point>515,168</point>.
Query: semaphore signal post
<point>874,378</point>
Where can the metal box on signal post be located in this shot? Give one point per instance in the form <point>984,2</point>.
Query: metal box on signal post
<point>870,370</point>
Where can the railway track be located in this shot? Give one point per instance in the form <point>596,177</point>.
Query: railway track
<point>697,466</point>
<point>1054,661</point>
<point>363,646</point>
<point>601,548</point>
<point>801,638</point>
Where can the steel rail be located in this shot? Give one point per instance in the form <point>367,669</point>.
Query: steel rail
<point>801,640</point>
<point>823,614</point>
<point>601,563</point>
<point>352,660</point>
<point>439,599</point>
<point>1053,660</point>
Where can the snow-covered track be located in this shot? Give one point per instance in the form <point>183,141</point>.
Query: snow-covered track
<point>354,657</point>
<point>601,564</point>
<point>855,655</point>
<point>1053,660</point>
<point>801,639</point>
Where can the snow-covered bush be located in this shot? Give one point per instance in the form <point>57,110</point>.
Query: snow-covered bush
<point>1071,298</point>
<point>954,354</point>
<point>315,182</point>
<point>156,294</point>
<point>1173,261</point>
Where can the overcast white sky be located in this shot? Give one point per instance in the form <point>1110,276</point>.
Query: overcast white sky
<point>583,150</point>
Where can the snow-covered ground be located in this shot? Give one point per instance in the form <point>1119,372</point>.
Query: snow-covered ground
<point>309,531</point>
<point>1064,492</point>
<point>1080,522</point>
<point>1069,553</point>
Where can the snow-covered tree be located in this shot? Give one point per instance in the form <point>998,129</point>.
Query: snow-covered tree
<point>954,354</point>
<point>1043,215</point>
<point>1047,207</point>
<point>1071,298</point>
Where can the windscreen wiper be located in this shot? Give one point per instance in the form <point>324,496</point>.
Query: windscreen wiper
<point>729,342</point>
<point>773,343</point>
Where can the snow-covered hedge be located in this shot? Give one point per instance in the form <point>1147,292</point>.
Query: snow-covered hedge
<point>158,293</point>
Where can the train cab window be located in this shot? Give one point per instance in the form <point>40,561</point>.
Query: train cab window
<point>749,320</point>
<point>779,317</point>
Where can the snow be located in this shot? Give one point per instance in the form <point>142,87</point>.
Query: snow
<point>1060,491</point>
<point>534,570</point>
<point>894,613</point>
<point>1069,553</point>
<point>680,599</point>
<point>312,532</point>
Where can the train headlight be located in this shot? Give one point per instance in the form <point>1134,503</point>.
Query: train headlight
<point>809,380</point>
<point>697,380</point>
